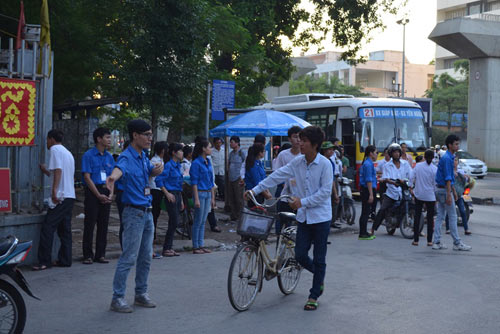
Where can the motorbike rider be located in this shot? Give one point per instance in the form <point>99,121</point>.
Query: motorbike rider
<point>395,170</point>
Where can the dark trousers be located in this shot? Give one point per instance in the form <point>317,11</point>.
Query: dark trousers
<point>212,221</point>
<point>95,212</point>
<point>386,204</point>
<point>173,210</point>
<point>430,219</point>
<point>373,208</point>
<point>317,234</point>
<point>157,198</point>
<point>219,181</point>
<point>235,199</point>
<point>282,207</point>
<point>58,218</point>
<point>119,206</point>
<point>365,211</point>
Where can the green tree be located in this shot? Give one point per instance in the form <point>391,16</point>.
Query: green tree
<point>449,96</point>
<point>309,84</point>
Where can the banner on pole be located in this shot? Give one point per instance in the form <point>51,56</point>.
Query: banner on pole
<point>5,199</point>
<point>17,112</point>
<point>222,97</point>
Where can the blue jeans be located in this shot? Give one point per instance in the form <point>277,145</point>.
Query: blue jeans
<point>461,208</point>
<point>317,234</point>
<point>444,209</point>
<point>137,241</point>
<point>200,217</point>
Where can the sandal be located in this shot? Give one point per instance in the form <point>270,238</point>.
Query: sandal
<point>468,232</point>
<point>39,267</point>
<point>87,261</point>
<point>415,243</point>
<point>429,244</point>
<point>205,250</point>
<point>198,251</point>
<point>170,253</point>
<point>102,260</point>
<point>311,306</point>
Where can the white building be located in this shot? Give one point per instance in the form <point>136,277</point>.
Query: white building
<point>450,9</point>
<point>380,75</point>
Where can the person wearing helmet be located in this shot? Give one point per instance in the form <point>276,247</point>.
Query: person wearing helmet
<point>396,169</point>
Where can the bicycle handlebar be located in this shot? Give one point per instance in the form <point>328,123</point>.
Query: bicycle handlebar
<point>262,205</point>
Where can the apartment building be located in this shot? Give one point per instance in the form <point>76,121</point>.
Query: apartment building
<point>450,9</point>
<point>380,76</point>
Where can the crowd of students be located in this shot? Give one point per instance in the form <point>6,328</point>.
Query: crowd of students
<point>307,168</point>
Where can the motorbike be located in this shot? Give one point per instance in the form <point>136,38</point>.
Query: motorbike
<point>347,210</point>
<point>12,306</point>
<point>468,206</point>
<point>402,214</point>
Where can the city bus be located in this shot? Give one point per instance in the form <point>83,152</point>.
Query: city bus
<point>358,122</point>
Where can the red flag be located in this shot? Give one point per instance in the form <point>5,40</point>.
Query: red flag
<point>20,27</point>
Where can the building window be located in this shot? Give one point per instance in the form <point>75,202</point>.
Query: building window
<point>474,8</point>
<point>449,63</point>
<point>494,5</point>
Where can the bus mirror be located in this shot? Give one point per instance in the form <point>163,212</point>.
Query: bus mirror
<point>358,126</point>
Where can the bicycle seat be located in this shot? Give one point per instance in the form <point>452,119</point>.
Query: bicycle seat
<point>288,216</point>
<point>6,243</point>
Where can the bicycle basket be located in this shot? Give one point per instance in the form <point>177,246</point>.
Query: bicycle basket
<point>255,225</point>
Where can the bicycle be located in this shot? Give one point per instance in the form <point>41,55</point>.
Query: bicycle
<point>185,225</point>
<point>246,272</point>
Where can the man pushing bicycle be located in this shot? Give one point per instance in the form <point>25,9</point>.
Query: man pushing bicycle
<point>310,177</point>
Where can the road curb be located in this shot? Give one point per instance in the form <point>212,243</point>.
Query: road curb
<point>486,201</point>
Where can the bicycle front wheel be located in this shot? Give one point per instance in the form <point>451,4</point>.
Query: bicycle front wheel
<point>245,277</point>
<point>289,273</point>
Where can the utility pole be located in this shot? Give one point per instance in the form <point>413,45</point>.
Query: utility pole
<point>404,22</point>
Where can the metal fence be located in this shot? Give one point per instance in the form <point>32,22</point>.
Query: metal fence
<point>28,185</point>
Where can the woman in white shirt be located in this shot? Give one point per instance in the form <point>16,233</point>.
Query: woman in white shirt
<point>423,179</point>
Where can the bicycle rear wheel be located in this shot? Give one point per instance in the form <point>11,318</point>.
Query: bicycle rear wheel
<point>185,224</point>
<point>289,272</point>
<point>245,277</point>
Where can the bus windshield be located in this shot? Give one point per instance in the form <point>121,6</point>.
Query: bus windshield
<point>383,126</point>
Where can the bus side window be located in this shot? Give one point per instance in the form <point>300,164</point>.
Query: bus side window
<point>349,143</point>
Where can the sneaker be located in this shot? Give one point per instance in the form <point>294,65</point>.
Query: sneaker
<point>447,231</point>
<point>120,305</point>
<point>157,256</point>
<point>144,301</point>
<point>462,247</point>
<point>439,246</point>
<point>366,237</point>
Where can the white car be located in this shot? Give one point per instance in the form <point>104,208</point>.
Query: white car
<point>471,165</point>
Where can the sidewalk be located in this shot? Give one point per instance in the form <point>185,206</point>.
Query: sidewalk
<point>487,190</point>
<point>225,240</point>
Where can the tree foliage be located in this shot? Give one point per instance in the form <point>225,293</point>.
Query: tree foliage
<point>449,96</point>
<point>309,84</point>
<point>161,53</point>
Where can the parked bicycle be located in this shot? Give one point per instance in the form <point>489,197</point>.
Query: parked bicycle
<point>185,225</point>
<point>247,271</point>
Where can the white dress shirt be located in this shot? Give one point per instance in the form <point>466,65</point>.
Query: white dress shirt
<point>218,160</point>
<point>392,172</point>
<point>380,165</point>
<point>313,185</point>
<point>423,178</point>
<point>152,183</point>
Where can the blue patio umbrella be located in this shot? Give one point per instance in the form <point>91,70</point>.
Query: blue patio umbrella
<point>264,121</point>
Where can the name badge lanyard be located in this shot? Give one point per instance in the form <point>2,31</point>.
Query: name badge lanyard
<point>147,190</point>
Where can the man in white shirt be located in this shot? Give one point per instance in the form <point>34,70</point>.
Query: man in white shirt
<point>312,190</point>
<point>394,170</point>
<point>61,171</point>
<point>283,159</point>
<point>406,156</point>
<point>218,161</point>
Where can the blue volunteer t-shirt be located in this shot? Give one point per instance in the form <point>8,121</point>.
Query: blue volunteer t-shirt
<point>445,171</point>
<point>171,178</point>
<point>201,174</point>
<point>98,165</point>
<point>135,179</point>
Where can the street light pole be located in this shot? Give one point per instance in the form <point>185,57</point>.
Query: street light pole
<point>403,22</point>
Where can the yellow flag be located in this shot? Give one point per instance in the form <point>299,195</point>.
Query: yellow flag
<point>45,35</point>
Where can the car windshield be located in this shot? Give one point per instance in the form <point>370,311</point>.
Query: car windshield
<point>465,155</point>
<point>383,126</point>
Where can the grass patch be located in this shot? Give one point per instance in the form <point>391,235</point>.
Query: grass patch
<point>494,170</point>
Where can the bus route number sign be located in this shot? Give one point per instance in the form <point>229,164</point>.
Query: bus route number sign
<point>368,112</point>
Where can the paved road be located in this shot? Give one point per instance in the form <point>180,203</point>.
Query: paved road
<point>380,286</point>
<point>489,187</point>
